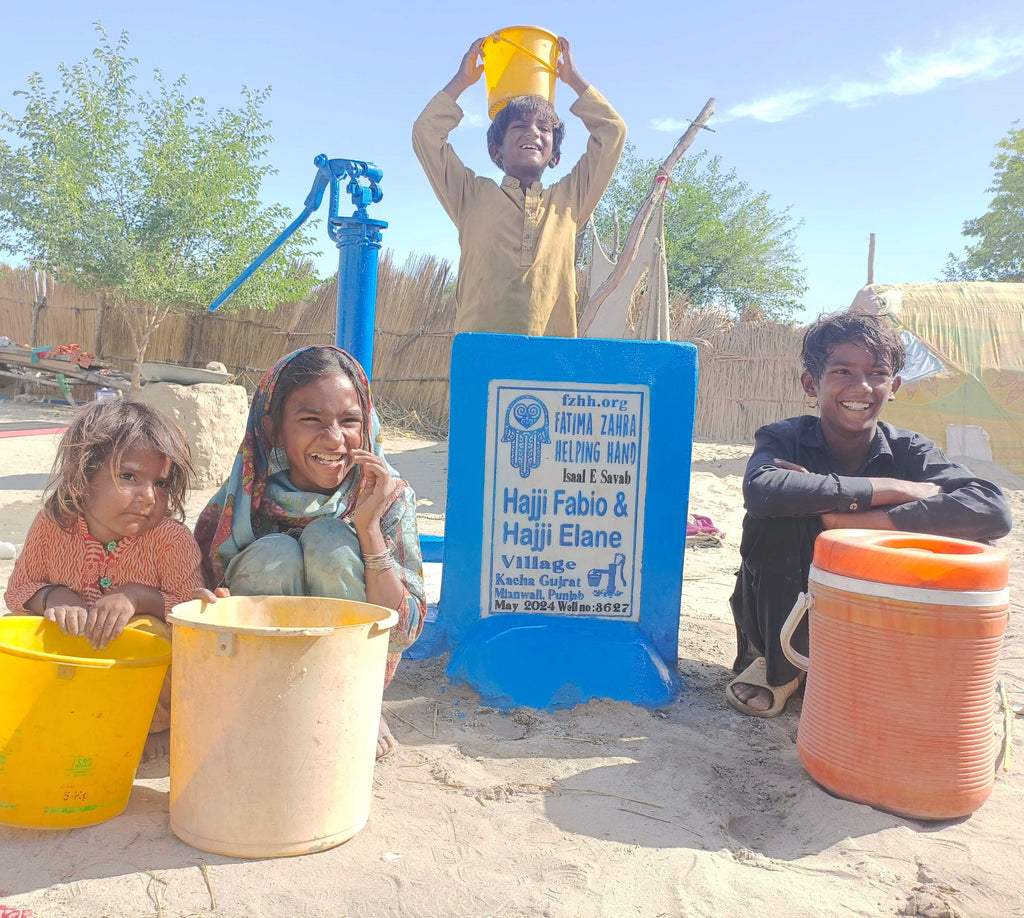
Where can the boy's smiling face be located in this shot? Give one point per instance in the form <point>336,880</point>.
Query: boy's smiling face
<point>526,150</point>
<point>852,391</point>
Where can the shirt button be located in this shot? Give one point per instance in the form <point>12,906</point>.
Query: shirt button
<point>853,506</point>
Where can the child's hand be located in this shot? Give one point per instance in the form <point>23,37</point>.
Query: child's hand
<point>567,71</point>
<point>70,619</point>
<point>378,489</point>
<point>469,70</point>
<point>107,619</point>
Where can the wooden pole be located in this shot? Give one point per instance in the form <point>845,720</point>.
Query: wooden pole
<point>871,259</point>
<point>193,336</point>
<point>643,214</point>
<point>37,304</point>
<point>97,341</point>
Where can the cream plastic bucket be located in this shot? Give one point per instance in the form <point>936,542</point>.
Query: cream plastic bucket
<point>73,721</point>
<point>275,707</point>
<point>519,61</point>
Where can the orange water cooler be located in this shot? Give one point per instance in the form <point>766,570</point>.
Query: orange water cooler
<point>905,635</point>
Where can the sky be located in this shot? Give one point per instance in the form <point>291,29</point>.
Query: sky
<point>876,117</point>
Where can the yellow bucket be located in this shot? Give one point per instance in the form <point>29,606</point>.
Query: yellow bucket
<point>275,705</point>
<point>73,721</point>
<point>519,61</point>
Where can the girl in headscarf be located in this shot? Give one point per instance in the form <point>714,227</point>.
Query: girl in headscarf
<point>312,507</point>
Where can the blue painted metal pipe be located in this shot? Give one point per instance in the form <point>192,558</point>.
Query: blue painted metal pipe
<point>262,257</point>
<point>358,239</point>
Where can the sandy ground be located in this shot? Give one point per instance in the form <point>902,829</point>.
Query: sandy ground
<point>604,810</point>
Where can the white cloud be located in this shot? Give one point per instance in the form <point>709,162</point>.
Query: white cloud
<point>776,108</point>
<point>982,58</point>
<point>670,124</point>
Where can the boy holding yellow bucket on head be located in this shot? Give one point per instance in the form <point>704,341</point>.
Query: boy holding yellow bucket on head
<point>517,270</point>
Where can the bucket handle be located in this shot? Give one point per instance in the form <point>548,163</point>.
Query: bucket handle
<point>804,603</point>
<point>497,36</point>
<point>385,624</point>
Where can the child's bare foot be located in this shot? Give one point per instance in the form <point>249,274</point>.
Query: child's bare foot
<point>159,744</point>
<point>386,743</point>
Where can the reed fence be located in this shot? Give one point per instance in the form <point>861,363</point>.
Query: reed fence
<point>749,373</point>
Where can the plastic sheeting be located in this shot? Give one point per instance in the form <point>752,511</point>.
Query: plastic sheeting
<point>976,332</point>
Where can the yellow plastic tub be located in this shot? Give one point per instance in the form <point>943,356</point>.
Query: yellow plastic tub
<point>519,61</point>
<point>73,721</point>
<point>275,706</point>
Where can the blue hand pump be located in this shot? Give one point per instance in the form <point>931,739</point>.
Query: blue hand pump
<point>358,239</point>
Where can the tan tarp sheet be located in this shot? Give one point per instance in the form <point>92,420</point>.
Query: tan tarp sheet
<point>612,319</point>
<point>977,331</point>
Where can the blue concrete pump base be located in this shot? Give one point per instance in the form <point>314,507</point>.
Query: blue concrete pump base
<point>547,662</point>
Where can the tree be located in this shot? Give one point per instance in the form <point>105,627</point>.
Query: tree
<point>724,244</point>
<point>144,197</point>
<point>998,255</point>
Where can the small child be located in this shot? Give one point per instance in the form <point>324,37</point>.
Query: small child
<point>312,507</point>
<point>845,469</point>
<point>109,550</point>
<point>517,240</point>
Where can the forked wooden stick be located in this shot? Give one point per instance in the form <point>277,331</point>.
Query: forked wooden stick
<point>643,214</point>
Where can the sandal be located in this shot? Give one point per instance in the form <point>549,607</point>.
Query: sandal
<point>756,674</point>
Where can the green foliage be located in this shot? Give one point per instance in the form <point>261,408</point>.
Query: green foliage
<point>725,246</point>
<point>998,255</point>
<point>144,196</point>
<point>957,269</point>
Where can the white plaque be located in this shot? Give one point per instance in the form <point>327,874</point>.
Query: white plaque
<point>564,495</point>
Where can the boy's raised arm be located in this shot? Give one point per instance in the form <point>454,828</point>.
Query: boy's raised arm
<point>448,177</point>
<point>567,71</point>
<point>469,70</point>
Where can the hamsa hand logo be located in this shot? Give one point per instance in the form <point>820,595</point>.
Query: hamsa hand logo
<point>526,428</point>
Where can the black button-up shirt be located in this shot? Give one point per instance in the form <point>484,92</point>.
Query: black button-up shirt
<point>968,507</point>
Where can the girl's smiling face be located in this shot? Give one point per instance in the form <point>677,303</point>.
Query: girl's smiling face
<point>853,389</point>
<point>128,500</point>
<point>321,423</point>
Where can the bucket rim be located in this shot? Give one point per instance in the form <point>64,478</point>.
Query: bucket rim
<point>384,622</point>
<point>497,32</point>
<point>30,653</point>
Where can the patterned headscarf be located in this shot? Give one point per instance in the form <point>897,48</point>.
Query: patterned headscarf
<point>258,498</point>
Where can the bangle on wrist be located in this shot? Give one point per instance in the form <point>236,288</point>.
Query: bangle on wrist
<point>47,592</point>
<point>379,561</point>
